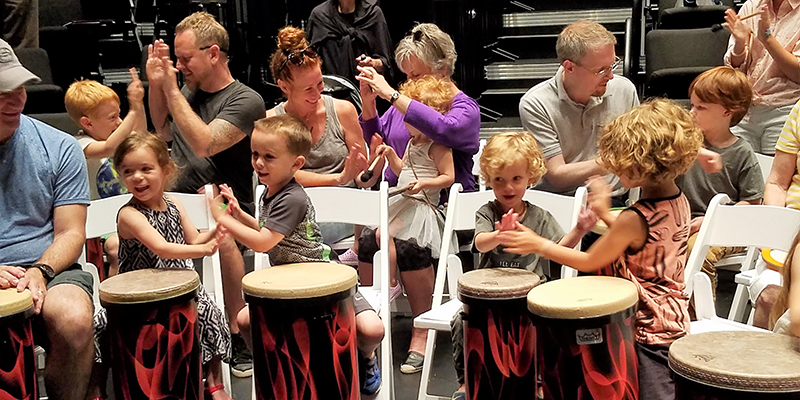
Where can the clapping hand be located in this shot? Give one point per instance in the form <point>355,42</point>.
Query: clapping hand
<point>508,221</point>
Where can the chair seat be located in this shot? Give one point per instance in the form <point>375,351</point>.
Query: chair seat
<point>745,277</point>
<point>438,317</point>
<point>373,296</point>
<point>720,325</point>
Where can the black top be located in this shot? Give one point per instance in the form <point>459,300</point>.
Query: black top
<point>340,38</point>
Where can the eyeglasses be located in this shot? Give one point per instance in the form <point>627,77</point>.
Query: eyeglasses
<point>297,58</point>
<point>209,46</point>
<point>603,71</point>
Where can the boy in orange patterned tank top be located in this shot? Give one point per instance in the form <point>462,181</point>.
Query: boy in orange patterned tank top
<point>647,147</point>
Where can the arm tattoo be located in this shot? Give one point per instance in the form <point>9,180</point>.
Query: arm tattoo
<point>223,135</point>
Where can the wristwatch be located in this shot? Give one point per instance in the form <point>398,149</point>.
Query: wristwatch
<point>47,271</point>
<point>395,96</point>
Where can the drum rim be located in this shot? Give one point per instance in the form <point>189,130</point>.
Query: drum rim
<point>253,285</point>
<point>149,296</point>
<point>22,302</point>
<point>586,312</point>
<point>734,380</point>
<point>498,293</point>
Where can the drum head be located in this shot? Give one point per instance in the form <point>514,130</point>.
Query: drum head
<point>13,302</point>
<point>739,360</point>
<point>497,283</point>
<point>300,281</point>
<point>582,297</point>
<point>148,285</point>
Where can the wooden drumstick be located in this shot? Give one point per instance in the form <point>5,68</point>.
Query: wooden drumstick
<point>396,191</point>
<point>367,175</point>
<point>717,27</point>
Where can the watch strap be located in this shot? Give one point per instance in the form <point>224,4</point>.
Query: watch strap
<point>394,97</point>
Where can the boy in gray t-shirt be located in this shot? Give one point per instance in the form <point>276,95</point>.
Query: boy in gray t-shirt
<point>288,230</point>
<point>720,98</point>
<point>510,163</point>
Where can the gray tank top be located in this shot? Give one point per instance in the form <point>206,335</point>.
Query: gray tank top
<point>328,154</point>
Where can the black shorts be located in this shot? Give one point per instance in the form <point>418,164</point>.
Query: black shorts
<point>410,256</point>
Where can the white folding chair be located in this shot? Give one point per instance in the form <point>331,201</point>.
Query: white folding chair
<point>197,208</point>
<point>461,209</point>
<point>260,260</point>
<point>476,165</point>
<point>368,208</point>
<point>728,225</point>
<point>739,262</point>
<point>101,220</point>
<point>765,162</point>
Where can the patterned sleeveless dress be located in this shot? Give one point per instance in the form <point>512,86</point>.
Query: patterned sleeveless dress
<point>215,335</point>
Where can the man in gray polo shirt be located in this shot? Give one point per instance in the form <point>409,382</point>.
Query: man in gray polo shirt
<point>567,113</point>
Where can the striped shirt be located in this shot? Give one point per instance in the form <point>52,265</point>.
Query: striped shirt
<point>657,270</point>
<point>789,142</point>
<point>771,87</point>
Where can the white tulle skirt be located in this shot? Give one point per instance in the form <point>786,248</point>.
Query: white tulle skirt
<point>414,220</point>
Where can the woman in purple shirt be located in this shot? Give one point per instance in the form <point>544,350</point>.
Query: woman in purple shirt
<point>425,51</point>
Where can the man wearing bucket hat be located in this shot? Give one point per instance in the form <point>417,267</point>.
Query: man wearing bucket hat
<point>44,192</point>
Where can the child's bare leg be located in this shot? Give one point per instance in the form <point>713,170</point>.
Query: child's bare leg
<point>214,379</point>
<point>111,247</point>
<point>419,289</point>
<point>370,332</point>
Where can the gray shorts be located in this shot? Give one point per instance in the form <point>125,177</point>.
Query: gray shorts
<point>74,275</point>
<point>360,304</point>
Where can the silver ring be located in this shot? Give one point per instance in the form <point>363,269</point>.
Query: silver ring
<point>40,292</point>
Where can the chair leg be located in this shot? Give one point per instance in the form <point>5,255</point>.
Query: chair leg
<point>427,365</point>
<point>739,304</point>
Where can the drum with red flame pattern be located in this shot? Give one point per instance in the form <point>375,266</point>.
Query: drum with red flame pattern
<point>499,339</point>
<point>304,331</point>
<point>17,358</point>
<point>585,328</point>
<point>740,365</point>
<point>153,334</point>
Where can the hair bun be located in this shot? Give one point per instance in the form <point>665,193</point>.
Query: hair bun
<point>291,39</point>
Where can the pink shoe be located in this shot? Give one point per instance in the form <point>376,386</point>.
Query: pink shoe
<point>349,257</point>
<point>395,291</point>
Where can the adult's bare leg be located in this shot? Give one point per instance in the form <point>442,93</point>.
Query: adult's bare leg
<point>67,313</point>
<point>232,273</point>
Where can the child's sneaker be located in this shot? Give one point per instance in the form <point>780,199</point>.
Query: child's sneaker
<point>413,363</point>
<point>370,376</point>
<point>349,257</point>
<point>395,291</point>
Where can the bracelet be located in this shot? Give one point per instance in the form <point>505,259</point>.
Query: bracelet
<point>739,54</point>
